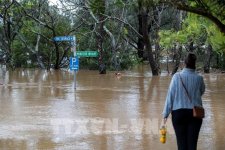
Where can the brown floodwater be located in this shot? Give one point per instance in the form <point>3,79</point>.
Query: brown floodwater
<point>42,110</point>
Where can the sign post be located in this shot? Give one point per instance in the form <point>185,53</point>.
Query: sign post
<point>74,61</point>
<point>73,42</point>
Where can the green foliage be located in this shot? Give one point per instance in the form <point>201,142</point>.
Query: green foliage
<point>119,3</point>
<point>166,38</point>
<point>197,29</point>
<point>20,55</point>
<point>170,37</point>
<point>88,63</point>
<point>192,26</point>
<point>127,61</point>
<point>215,6</point>
<point>97,6</point>
<point>217,39</point>
<point>125,31</point>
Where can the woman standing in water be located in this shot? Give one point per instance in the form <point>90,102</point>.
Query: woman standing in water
<point>180,105</point>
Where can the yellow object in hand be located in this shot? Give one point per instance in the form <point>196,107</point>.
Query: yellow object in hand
<point>162,131</point>
<point>163,139</point>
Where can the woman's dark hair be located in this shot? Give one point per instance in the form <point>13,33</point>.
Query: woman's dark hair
<point>190,60</point>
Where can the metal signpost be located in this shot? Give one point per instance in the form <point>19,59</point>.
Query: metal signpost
<point>74,61</point>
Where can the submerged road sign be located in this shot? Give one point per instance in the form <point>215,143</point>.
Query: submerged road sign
<point>87,53</point>
<point>64,38</point>
<point>74,63</point>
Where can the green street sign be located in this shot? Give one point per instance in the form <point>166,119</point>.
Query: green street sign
<point>87,53</point>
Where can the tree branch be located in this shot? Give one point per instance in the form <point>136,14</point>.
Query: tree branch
<point>127,24</point>
<point>35,19</point>
<point>203,13</point>
<point>196,10</point>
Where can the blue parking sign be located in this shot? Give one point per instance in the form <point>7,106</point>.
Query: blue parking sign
<point>74,63</point>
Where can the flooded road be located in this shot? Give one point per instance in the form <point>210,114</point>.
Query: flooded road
<point>42,110</point>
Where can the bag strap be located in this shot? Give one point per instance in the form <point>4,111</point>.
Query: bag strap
<point>186,91</point>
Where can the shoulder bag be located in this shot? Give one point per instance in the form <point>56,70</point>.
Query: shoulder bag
<point>198,111</point>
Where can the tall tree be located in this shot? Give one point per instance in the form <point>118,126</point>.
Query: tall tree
<point>98,7</point>
<point>56,24</point>
<point>11,18</point>
<point>145,8</point>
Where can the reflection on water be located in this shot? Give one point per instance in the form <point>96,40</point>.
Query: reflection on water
<point>41,110</point>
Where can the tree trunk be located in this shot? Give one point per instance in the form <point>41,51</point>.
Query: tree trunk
<point>38,26</point>
<point>9,31</point>
<point>178,47</point>
<point>191,46</point>
<point>57,56</point>
<point>56,65</point>
<point>148,45</point>
<point>157,52</point>
<point>7,41</point>
<point>167,62</point>
<point>217,60</point>
<point>33,50</point>
<point>140,43</point>
<point>208,56</point>
<point>115,61</point>
<point>100,35</point>
<point>177,57</point>
<point>157,19</point>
